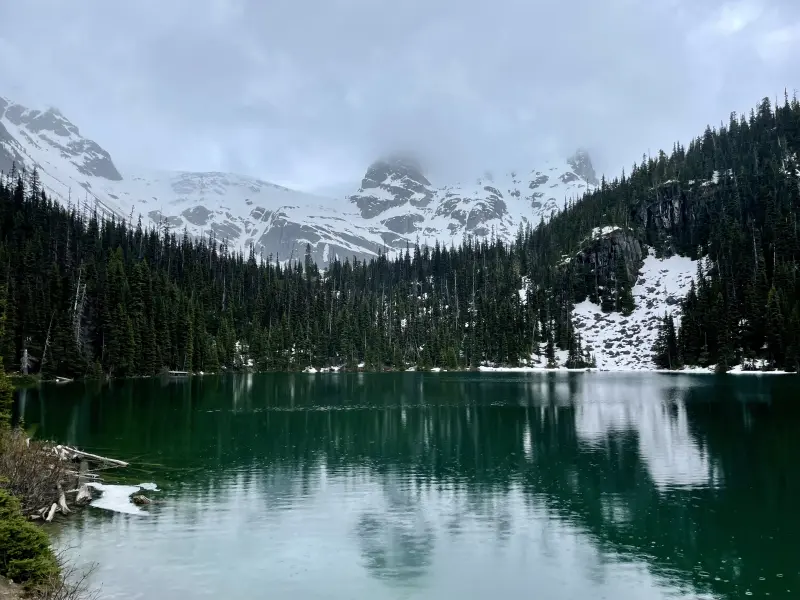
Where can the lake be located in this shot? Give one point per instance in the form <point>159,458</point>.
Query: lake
<point>448,485</point>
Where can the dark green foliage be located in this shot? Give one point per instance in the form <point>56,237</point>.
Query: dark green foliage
<point>25,554</point>
<point>86,295</point>
<point>732,198</point>
<point>577,357</point>
<point>105,297</point>
<point>665,350</point>
<point>9,506</point>
<point>623,292</point>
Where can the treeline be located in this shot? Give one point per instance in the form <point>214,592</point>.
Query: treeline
<point>91,296</point>
<point>87,296</point>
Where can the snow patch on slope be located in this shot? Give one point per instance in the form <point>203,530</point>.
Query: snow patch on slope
<point>534,364</point>
<point>599,232</point>
<point>623,343</point>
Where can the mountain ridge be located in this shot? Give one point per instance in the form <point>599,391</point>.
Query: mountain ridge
<point>396,204</point>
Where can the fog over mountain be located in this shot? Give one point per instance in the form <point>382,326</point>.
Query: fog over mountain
<point>307,94</point>
<point>394,206</point>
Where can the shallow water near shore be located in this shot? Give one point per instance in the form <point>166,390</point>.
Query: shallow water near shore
<point>411,485</point>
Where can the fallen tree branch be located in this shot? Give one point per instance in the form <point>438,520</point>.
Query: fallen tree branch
<point>87,475</point>
<point>71,453</point>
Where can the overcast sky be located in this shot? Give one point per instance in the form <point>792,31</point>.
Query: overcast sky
<point>307,92</point>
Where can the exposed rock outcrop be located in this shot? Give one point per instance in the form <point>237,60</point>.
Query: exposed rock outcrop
<point>606,249</point>
<point>392,182</point>
<point>672,211</point>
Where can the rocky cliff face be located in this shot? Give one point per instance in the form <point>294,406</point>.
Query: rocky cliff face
<point>396,195</point>
<point>662,222</point>
<point>608,247</point>
<point>49,130</point>
<point>393,183</point>
<point>608,262</point>
<point>672,210</point>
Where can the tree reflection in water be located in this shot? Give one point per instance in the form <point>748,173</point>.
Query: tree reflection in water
<point>397,542</point>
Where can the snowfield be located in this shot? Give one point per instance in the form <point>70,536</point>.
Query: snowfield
<point>622,343</point>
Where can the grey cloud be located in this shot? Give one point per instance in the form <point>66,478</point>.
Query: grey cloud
<point>307,93</point>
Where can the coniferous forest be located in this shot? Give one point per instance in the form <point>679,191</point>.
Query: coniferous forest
<point>87,296</point>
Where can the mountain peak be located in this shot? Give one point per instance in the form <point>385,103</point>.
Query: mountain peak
<point>581,164</point>
<point>50,120</point>
<point>392,170</point>
<point>50,135</point>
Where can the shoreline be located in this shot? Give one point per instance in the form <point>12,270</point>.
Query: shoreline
<point>684,371</point>
<point>32,382</point>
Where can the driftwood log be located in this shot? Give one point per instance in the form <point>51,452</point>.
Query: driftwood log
<point>67,453</point>
<point>69,480</point>
<point>84,495</point>
<point>62,499</point>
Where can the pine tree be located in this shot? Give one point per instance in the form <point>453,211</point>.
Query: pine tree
<point>774,328</point>
<point>665,349</point>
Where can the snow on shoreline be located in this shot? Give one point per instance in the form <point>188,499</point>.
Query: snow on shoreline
<point>711,370</point>
<point>622,344</point>
<point>117,498</point>
<point>737,370</point>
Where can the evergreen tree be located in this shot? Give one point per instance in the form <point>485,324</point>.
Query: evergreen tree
<point>665,349</point>
<point>775,324</point>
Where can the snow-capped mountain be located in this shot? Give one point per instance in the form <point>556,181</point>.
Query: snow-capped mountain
<point>395,205</point>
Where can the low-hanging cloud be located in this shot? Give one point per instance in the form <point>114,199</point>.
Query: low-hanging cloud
<point>307,93</point>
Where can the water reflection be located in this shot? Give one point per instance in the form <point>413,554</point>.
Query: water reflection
<point>396,539</point>
<point>659,420</point>
<point>629,486</point>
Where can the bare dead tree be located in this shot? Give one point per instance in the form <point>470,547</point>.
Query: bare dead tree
<point>47,341</point>
<point>78,310</point>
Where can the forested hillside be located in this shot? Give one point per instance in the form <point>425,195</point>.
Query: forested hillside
<point>731,197</point>
<point>89,297</point>
<point>85,296</point>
